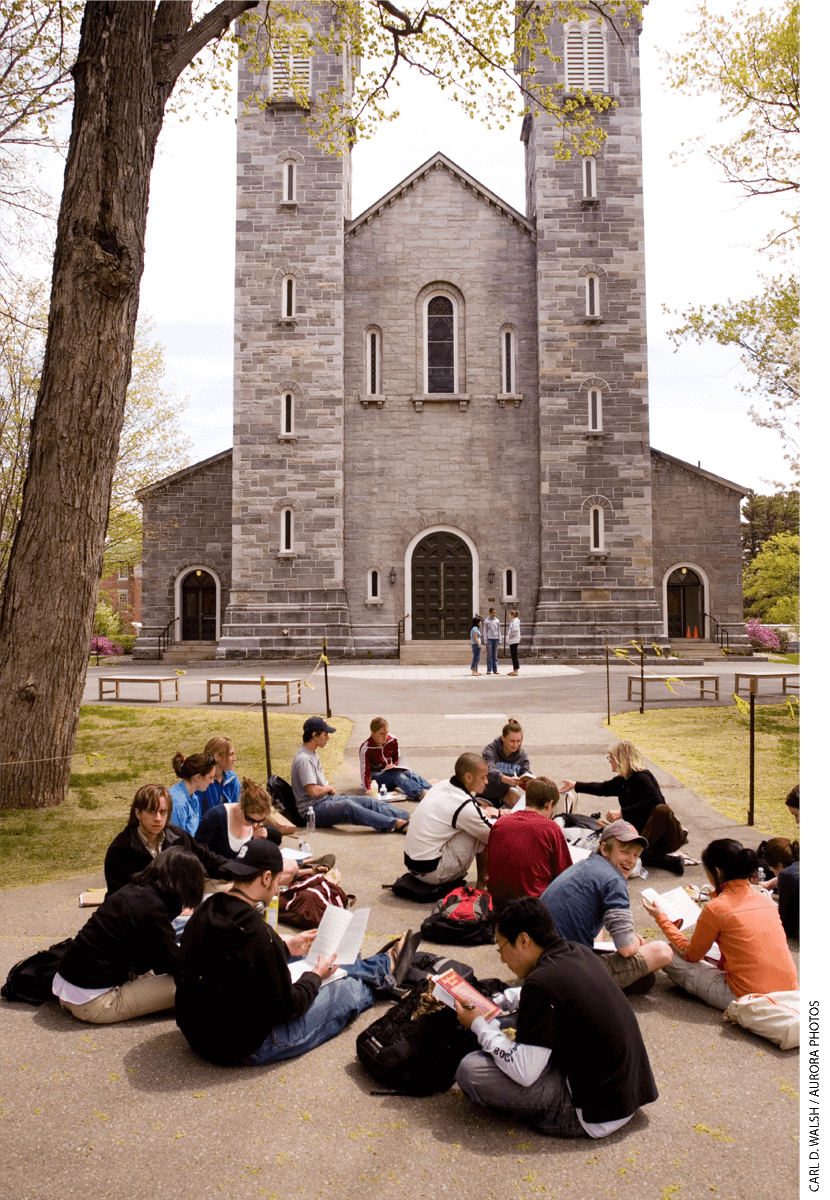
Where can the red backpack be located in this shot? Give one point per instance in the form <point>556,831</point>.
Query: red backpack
<point>463,918</point>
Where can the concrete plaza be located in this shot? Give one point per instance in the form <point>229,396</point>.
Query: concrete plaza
<point>130,1112</point>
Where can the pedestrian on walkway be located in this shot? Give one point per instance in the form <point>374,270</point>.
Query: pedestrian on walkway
<point>514,636</point>
<point>492,633</point>
<point>477,643</point>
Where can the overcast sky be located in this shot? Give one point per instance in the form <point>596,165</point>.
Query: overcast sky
<point>700,240</point>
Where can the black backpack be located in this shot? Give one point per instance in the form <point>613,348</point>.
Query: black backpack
<point>282,793</point>
<point>463,918</point>
<point>30,980</point>
<point>410,887</point>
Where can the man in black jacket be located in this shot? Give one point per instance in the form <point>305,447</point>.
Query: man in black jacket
<point>578,1065</point>
<point>235,999</point>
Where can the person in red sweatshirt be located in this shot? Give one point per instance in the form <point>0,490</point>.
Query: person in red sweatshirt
<point>527,848</point>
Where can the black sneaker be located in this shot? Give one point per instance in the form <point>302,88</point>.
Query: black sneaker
<point>642,985</point>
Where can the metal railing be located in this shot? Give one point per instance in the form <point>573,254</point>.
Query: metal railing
<point>717,632</point>
<point>164,637</point>
<point>400,634</point>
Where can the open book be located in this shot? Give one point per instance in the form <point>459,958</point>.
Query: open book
<point>678,905</point>
<point>341,933</point>
<point>450,987</point>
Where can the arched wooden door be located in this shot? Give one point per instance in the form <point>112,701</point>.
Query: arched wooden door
<point>442,587</point>
<point>684,603</point>
<point>198,607</point>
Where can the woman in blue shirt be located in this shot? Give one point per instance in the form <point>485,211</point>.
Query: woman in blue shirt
<point>225,788</point>
<point>195,777</point>
<point>475,641</point>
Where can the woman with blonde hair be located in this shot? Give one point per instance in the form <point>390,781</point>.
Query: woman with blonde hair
<point>225,787</point>
<point>642,804</point>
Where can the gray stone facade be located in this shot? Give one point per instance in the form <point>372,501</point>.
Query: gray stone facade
<point>556,508</point>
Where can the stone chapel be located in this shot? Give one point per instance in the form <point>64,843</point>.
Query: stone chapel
<point>440,406</point>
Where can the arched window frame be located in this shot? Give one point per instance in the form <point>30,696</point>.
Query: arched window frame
<point>289,297</point>
<point>287,531</point>
<point>288,414</point>
<point>589,178</point>
<point>373,586</point>
<point>374,361</point>
<point>592,296</point>
<point>508,361</point>
<point>595,410</point>
<point>596,529</point>
<point>586,61</point>
<point>425,318</point>
<point>510,585</point>
<point>289,181</point>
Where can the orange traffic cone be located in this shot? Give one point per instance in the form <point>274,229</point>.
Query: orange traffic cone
<point>688,632</point>
<point>695,634</point>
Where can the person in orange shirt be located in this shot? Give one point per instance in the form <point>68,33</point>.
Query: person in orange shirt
<point>755,957</point>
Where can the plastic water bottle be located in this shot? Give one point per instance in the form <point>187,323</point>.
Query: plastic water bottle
<point>383,791</point>
<point>310,821</point>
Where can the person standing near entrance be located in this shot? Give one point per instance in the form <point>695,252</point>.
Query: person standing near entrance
<point>476,643</point>
<point>514,636</point>
<point>492,633</point>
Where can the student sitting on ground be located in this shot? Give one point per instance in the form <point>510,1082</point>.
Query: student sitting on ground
<point>148,832</point>
<point>527,849</point>
<point>505,760</point>
<point>225,787</point>
<point>121,964</point>
<point>641,804</point>
<point>782,858</point>
<point>235,1002</point>
<point>379,762</point>
<point>755,956</point>
<point>195,777</point>
<point>577,1065</point>
<point>450,827</point>
<point>226,829</point>
<point>593,893</point>
<point>793,803</point>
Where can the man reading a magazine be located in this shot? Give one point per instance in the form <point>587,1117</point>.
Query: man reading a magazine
<point>578,1065</point>
<point>235,999</point>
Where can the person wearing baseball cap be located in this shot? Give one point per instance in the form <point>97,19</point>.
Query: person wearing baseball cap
<point>312,790</point>
<point>594,893</point>
<point>236,1001</point>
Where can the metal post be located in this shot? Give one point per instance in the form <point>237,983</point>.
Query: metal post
<point>326,675</point>
<point>642,679</point>
<point>753,688</point>
<point>608,682</point>
<point>265,726</point>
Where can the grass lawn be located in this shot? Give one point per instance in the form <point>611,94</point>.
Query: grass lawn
<point>786,658</point>
<point>119,748</point>
<point>707,749</point>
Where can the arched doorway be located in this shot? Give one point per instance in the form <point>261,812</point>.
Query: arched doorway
<point>442,587</point>
<point>198,607</point>
<point>685,603</point>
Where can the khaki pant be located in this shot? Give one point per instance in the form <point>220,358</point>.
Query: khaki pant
<point>625,969</point>
<point>147,994</point>
<point>456,858</point>
<point>702,980</point>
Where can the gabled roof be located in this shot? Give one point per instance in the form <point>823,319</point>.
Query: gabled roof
<point>440,162</point>
<point>183,474</point>
<point>727,483</point>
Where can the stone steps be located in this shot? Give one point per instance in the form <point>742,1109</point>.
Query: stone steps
<point>185,652</point>
<point>438,654</point>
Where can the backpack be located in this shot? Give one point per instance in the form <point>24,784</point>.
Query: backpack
<point>282,793</point>
<point>30,980</point>
<point>305,901</point>
<point>464,918</point>
<point>410,887</point>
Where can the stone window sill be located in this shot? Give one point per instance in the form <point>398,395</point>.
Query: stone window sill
<point>514,398</point>
<point>598,556</point>
<point>595,433</point>
<point>288,204</point>
<point>287,437</point>
<point>374,604</point>
<point>287,322</point>
<point>286,554</point>
<point>590,201</point>
<point>378,399</point>
<point>462,399</point>
<point>593,320</point>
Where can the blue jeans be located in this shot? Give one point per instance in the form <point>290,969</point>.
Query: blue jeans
<point>334,1007</point>
<point>476,657</point>
<point>357,810</point>
<point>410,782</point>
<point>492,656</point>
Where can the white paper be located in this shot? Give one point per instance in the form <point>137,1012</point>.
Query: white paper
<point>298,855</point>
<point>676,903</point>
<point>296,969</point>
<point>341,933</point>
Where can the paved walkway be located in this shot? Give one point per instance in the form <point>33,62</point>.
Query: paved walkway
<point>129,1112</point>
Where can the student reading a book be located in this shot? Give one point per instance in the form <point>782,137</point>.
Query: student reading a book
<point>379,762</point>
<point>226,829</point>
<point>235,1000</point>
<point>121,963</point>
<point>148,832</point>
<point>578,1065</point>
<point>755,956</point>
<point>528,849</point>
<point>506,760</point>
<point>642,804</point>
<point>782,858</point>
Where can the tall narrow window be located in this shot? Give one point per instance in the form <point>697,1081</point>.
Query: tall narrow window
<point>597,528</point>
<point>373,364</point>
<point>291,74</point>
<point>289,299</point>
<point>595,409</point>
<point>287,415</point>
<point>287,531</point>
<point>440,345</point>
<point>510,588</point>
<point>585,58</point>
<point>508,361</point>
<point>591,296</point>
<point>589,178</point>
<point>289,182</point>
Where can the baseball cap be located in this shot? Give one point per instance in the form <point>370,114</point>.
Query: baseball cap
<point>316,725</point>
<point>623,831</point>
<point>256,856</point>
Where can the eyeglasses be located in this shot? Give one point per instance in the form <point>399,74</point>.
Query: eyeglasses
<point>500,947</point>
<point>256,821</point>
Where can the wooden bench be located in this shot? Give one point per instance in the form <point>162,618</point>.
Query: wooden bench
<point>784,676</point>
<point>701,679</point>
<point>157,681</point>
<point>221,684</point>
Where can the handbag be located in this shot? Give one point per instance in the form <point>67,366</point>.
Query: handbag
<point>306,900</point>
<point>774,1016</point>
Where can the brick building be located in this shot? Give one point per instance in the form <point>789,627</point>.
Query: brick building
<point>441,405</point>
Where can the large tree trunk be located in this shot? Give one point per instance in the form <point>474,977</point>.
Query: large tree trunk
<point>130,56</point>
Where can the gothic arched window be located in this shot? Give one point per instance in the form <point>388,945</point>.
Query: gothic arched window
<point>440,344</point>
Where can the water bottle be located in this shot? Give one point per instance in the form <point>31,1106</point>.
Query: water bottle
<point>310,821</point>
<point>383,791</point>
